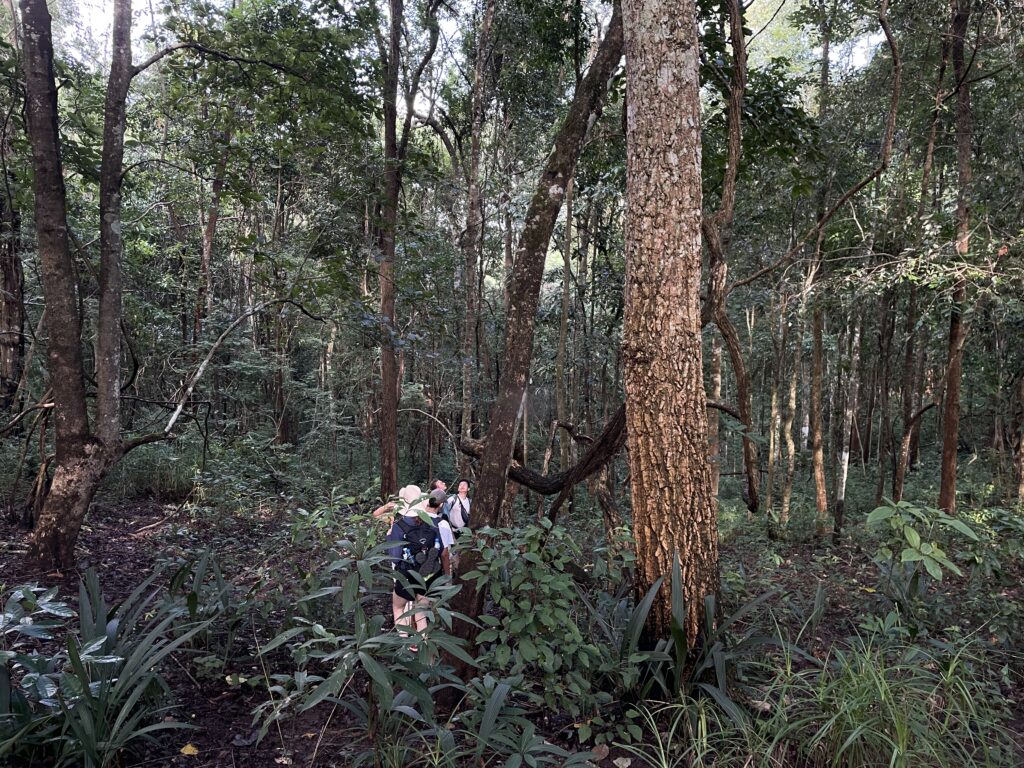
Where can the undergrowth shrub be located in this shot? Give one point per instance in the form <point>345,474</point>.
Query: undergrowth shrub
<point>86,695</point>
<point>387,681</point>
<point>876,700</point>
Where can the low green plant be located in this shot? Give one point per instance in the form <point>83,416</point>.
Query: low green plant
<point>911,557</point>
<point>879,700</point>
<point>98,690</point>
<point>536,625</point>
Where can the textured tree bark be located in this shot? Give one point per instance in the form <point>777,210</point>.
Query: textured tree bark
<point>82,458</point>
<point>666,409</point>
<point>961,10</point>
<point>787,434</point>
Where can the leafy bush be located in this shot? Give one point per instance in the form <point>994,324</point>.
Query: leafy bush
<point>911,556</point>
<point>87,695</point>
<point>537,628</point>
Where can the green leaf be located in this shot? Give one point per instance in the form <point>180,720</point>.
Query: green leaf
<point>911,555</point>
<point>960,526</point>
<point>880,515</point>
<point>933,568</point>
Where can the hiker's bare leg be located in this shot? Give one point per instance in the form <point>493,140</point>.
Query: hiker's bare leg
<point>422,609</point>
<point>399,606</point>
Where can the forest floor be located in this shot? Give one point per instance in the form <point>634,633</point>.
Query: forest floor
<point>124,542</point>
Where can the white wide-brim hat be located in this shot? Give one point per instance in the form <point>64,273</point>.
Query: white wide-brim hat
<point>412,500</point>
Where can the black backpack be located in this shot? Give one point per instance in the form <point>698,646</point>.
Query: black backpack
<point>422,552</point>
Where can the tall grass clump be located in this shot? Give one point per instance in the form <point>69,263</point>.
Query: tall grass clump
<point>874,703</point>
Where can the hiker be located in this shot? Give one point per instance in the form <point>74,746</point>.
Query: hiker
<point>421,553</point>
<point>456,509</point>
<point>438,485</point>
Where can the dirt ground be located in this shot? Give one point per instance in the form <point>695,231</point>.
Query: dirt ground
<point>122,542</point>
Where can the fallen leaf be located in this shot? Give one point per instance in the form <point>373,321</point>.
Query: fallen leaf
<point>190,750</point>
<point>622,762</point>
<point>283,760</point>
<point>600,751</point>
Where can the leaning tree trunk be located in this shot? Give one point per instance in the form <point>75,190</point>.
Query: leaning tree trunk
<point>673,507</point>
<point>957,328</point>
<point>523,298</point>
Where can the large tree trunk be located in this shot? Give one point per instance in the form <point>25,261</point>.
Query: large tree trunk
<point>961,10</point>
<point>82,458</point>
<point>673,507</point>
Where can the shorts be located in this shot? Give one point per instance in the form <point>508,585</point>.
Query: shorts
<point>413,590</point>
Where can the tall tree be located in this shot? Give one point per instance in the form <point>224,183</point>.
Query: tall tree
<point>472,240</point>
<point>523,299</point>
<point>666,409</point>
<point>396,146</point>
<point>961,15</point>
<point>82,455</point>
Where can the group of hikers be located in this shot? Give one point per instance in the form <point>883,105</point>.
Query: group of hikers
<point>424,529</point>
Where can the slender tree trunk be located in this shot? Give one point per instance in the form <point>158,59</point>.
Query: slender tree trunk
<point>561,392</point>
<point>846,434</point>
<point>778,370</point>
<point>714,432</point>
<point>204,299</point>
<point>524,296</point>
<point>1020,441</point>
<point>528,268</point>
<point>12,278</point>
<point>912,370</point>
<point>673,506</point>
<point>472,243</point>
<point>817,432</point>
<point>886,330</point>
<point>961,10</point>
<point>787,435</point>
<point>386,245</point>
<point>817,312</point>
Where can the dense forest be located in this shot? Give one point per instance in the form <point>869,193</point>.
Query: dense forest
<point>658,361</point>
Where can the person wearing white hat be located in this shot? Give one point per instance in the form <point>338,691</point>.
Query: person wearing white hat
<point>421,544</point>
